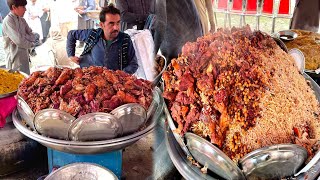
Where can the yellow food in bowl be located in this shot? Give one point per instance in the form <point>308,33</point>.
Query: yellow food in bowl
<point>9,82</point>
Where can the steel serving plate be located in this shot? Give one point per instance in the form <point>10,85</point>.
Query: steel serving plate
<point>299,58</point>
<point>94,127</point>
<point>280,160</point>
<point>208,155</point>
<point>12,92</point>
<point>181,162</point>
<point>87,171</point>
<point>130,116</point>
<point>93,147</point>
<point>53,123</point>
<point>25,112</point>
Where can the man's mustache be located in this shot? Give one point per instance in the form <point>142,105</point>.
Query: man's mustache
<point>115,31</point>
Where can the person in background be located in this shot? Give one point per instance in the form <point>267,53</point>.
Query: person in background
<point>101,4</point>
<point>306,15</point>
<point>57,48</point>
<point>4,9</point>
<point>205,12</point>
<point>105,46</point>
<point>134,13</point>
<point>84,22</point>
<point>32,16</point>
<point>63,15</point>
<point>177,22</point>
<point>18,37</point>
<point>45,18</point>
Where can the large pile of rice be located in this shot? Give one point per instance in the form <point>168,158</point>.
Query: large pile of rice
<point>210,93</point>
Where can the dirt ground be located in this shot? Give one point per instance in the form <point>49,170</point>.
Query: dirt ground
<point>137,159</point>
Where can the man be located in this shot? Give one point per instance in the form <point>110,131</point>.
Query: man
<point>106,46</point>
<point>18,37</point>
<point>84,22</point>
<point>177,22</point>
<point>306,15</point>
<point>205,11</point>
<point>134,13</point>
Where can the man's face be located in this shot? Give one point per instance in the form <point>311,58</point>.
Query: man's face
<point>111,26</point>
<point>19,10</point>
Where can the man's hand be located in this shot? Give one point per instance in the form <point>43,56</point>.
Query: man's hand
<point>75,59</point>
<point>213,28</point>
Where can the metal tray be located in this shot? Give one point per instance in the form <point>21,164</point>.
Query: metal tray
<point>12,92</point>
<point>93,147</point>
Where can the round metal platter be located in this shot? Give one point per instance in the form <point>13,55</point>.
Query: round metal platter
<point>12,92</point>
<point>87,171</point>
<point>208,155</point>
<point>272,162</point>
<point>130,116</point>
<point>92,147</point>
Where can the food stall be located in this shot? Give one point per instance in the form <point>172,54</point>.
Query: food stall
<point>239,107</point>
<point>58,109</point>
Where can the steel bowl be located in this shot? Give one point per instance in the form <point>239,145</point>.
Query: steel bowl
<point>88,171</point>
<point>272,162</point>
<point>157,79</point>
<point>130,116</point>
<point>287,35</point>
<point>93,147</point>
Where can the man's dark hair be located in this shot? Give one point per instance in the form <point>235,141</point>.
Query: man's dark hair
<point>16,3</point>
<point>110,9</point>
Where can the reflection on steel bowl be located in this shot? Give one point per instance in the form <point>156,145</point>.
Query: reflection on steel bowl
<point>240,90</point>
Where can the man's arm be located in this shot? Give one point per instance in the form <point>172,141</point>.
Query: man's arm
<point>19,35</point>
<point>160,23</point>
<point>210,14</point>
<point>132,60</point>
<point>72,38</point>
<point>127,16</point>
<point>91,5</point>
